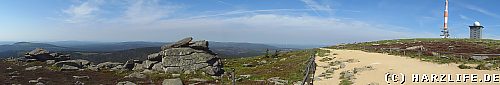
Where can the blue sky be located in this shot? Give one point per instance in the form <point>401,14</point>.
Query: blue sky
<point>258,21</point>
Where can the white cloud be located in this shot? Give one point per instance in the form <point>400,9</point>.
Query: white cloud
<point>83,12</point>
<point>465,17</point>
<point>147,11</point>
<point>317,6</point>
<point>272,28</point>
<point>481,10</point>
<point>149,20</point>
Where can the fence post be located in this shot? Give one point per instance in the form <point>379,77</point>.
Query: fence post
<point>308,69</point>
<point>314,69</point>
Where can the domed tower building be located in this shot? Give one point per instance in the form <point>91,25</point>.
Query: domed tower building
<point>475,30</point>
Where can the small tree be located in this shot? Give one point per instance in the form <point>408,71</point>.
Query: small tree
<point>267,53</point>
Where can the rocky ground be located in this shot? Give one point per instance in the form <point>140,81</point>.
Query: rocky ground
<point>363,68</point>
<point>183,62</point>
<point>23,73</point>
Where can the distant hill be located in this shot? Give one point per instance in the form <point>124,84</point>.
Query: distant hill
<point>223,49</point>
<point>19,48</point>
<point>110,47</point>
<point>6,42</point>
<point>115,56</point>
<point>122,51</point>
<point>75,43</point>
<point>296,46</point>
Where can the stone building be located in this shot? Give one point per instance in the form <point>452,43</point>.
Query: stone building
<point>476,30</point>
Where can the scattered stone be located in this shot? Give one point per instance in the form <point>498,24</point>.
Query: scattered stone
<point>479,57</point>
<point>33,81</point>
<point>198,80</point>
<point>349,75</point>
<point>277,81</point>
<point>14,73</point>
<point>248,65</point>
<point>50,62</point>
<point>351,60</point>
<point>365,68</point>
<point>147,71</point>
<point>373,83</point>
<point>9,68</point>
<point>188,72</point>
<point>154,57</point>
<point>80,77</point>
<point>416,48</point>
<point>342,65</point>
<point>108,65</point>
<point>262,62</point>
<point>33,68</point>
<point>283,59</point>
<point>78,83</point>
<point>13,77</point>
<point>245,76</point>
<point>136,75</point>
<point>176,75</point>
<point>331,70</point>
<point>317,79</point>
<point>435,54</point>
<point>126,83</point>
<point>119,67</point>
<point>444,57</point>
<point>93,68</point>
<point>299,83</point>
<point>65,67</point>
<point>39,83</point>
<point>12,59</point>
<point>75,63</point>
<point>176,81</point>
<point>488,65</point>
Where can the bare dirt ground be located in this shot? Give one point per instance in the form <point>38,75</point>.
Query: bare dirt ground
<point>383,63</point>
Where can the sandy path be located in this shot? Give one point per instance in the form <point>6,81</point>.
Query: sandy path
<point>383,64</point>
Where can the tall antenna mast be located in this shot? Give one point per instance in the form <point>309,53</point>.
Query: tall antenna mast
<point>445,27</point>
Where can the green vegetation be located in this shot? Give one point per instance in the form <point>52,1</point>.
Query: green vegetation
<point>322,53</point>
<point>325,59</point>
<point>483,67</point>
<point>435,50</point>
<point>462,66</point>
<point>288,66</point>
<point>345,82</point>
<point>344,79</point>
<point>54,68</point>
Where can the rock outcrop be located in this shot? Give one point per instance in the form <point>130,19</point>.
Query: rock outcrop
<point>57,59</point>
<point>40,54</point>
<point>183,56</point>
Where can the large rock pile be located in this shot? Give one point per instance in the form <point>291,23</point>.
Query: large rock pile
<point>40,54</point>
<point>184,56</point>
